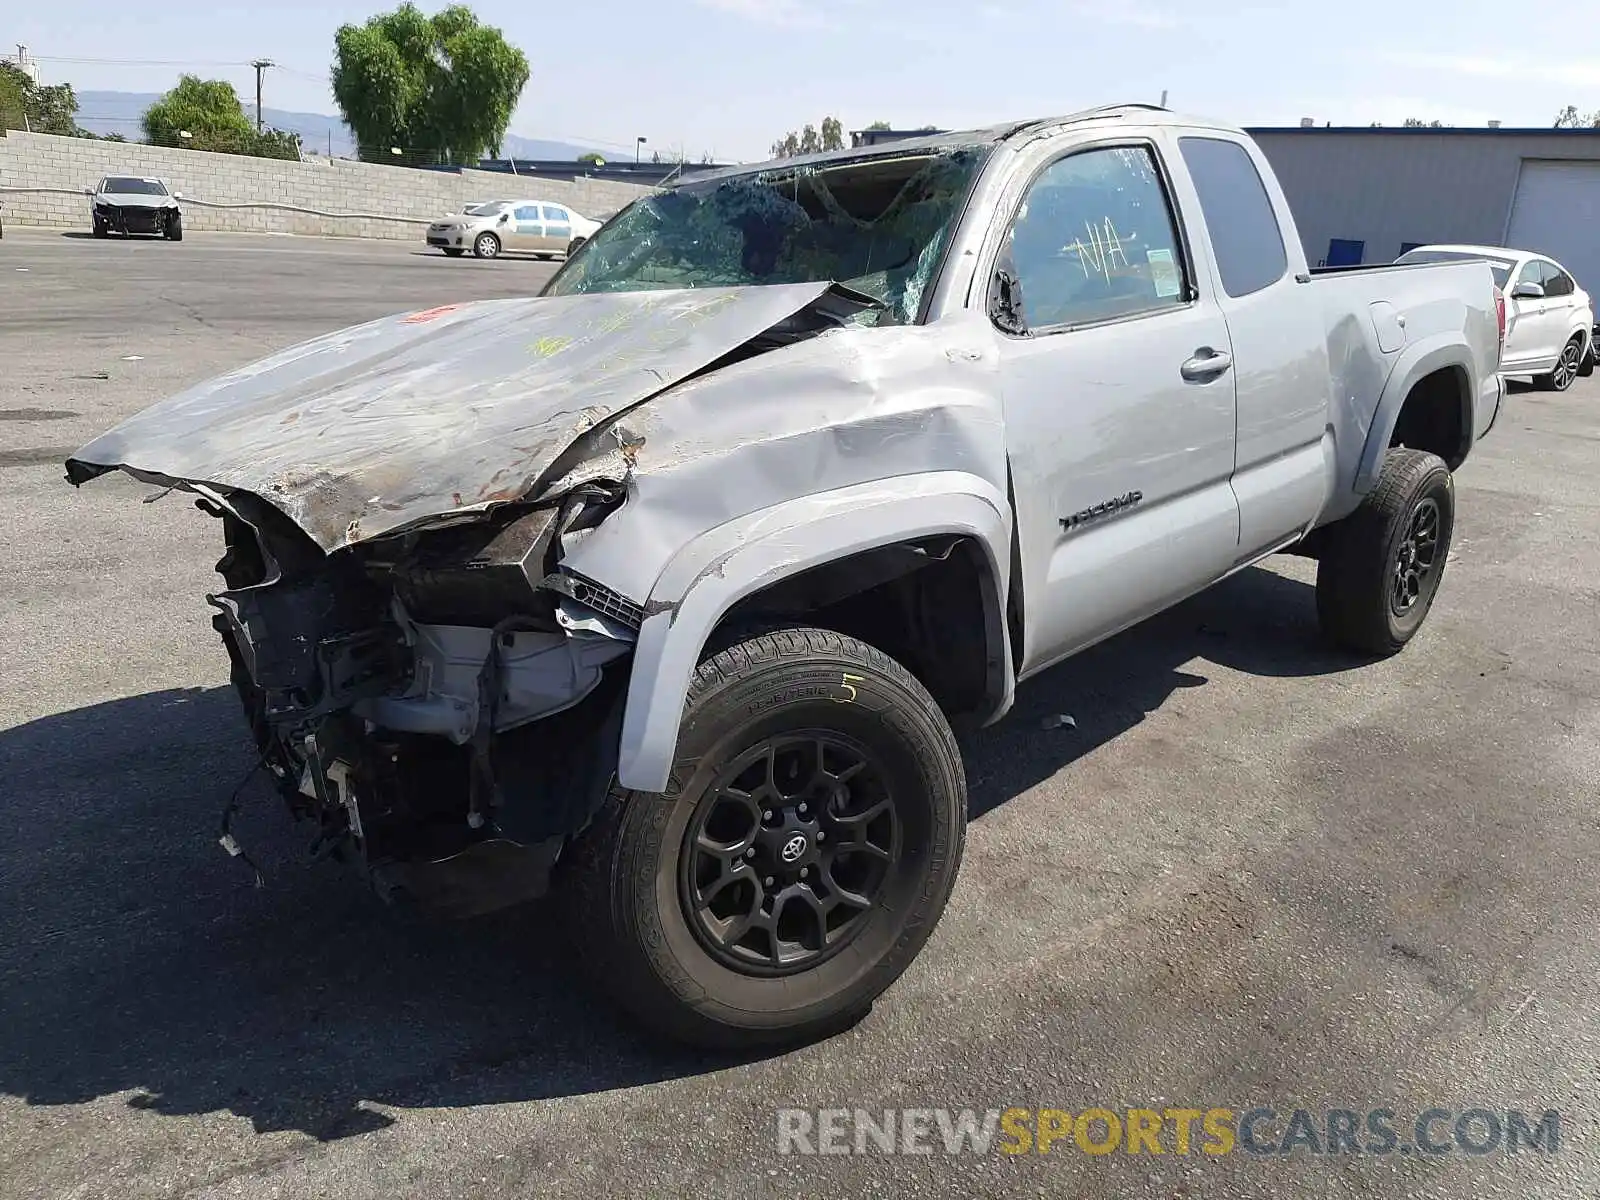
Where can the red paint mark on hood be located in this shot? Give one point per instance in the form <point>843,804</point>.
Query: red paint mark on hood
<point>429,314</point>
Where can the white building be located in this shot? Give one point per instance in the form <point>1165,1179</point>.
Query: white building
<point>1364,195</point>
<point>20,59</point>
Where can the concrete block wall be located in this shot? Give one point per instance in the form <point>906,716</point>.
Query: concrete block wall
<point>42,178</point>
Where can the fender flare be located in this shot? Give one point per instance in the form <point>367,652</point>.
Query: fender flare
<point>708,576</point>
<point>1417,361</point>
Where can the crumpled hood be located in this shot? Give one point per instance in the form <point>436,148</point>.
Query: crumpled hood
<point>378,427</point>
<point>135,200</point>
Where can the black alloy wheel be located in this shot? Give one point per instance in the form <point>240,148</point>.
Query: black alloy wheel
<point>788,851</point>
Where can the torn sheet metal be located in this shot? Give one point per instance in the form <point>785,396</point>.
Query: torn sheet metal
<point>417,416</point>
<point>856,406</point>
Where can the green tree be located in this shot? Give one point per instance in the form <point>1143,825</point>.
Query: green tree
<point>592,158</point>
<point>1570,118</point>
<point>444,85</point>
<point>810,140</point>
<point>26,105</point>
<point>209,111</point>
<point>879,125</point>
<point>1419,123</point>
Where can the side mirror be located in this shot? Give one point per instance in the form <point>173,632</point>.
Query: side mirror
<point>1528,291</point>
<point>1005,302</point>
<point>88,191</point>
<point>504,217</point>
<point>177,195</point>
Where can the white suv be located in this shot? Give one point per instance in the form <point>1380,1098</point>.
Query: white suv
<point>534,226</point>
<point>1549,318</point>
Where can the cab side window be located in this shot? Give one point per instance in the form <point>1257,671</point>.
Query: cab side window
<point>1094,239</point>
<point>1245,234</point>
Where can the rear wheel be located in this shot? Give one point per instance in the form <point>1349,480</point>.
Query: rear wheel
<point>1566,368</point>
<point>801,856</point>
<point>486,245</point>
<point>1381,566</point>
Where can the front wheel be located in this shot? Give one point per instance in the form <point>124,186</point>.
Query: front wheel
<point>174,229</point>
<point>1381,566</point>
<point>486,246</point>
<point>99,228</point>
<point>453,251</point>
<point>575,245</point>
<point>805,847</point>
<point>1567,367</point>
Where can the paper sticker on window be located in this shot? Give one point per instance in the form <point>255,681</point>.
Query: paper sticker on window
<point>1164,272</point>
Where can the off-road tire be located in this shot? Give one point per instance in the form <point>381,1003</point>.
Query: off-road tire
<point>486,245</point>
<point>1356,573</point>
<point>1568,367</point>
<point>619,884</point>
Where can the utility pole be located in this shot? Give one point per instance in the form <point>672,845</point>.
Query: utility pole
<point>260,64</point>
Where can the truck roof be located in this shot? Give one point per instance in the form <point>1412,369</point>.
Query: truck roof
<point>1150,114</point>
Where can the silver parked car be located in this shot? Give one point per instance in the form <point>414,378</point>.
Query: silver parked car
<point>489,229</point>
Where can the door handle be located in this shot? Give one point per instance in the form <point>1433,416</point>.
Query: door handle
<point>1206,364</point>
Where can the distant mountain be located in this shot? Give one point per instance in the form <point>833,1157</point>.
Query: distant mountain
<point>320,133</point>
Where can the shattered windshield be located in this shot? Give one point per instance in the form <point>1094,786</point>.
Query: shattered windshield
<point>879,225</point>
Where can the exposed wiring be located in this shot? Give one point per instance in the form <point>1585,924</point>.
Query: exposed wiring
<point>225,836</point>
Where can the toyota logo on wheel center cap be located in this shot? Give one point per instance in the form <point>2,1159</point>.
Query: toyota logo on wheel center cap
<point>793,848</point>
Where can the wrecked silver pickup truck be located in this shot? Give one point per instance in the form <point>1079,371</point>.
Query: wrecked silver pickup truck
<point>662,589</point>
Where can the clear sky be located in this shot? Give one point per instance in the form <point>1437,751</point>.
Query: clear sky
<point>729,76</point>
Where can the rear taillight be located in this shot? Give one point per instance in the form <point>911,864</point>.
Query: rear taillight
<point>1500,317</point>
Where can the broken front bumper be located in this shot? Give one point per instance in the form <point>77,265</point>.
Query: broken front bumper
<point>133,218</point>
<point>445,707</point>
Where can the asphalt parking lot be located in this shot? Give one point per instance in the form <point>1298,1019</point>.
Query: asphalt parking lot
<point>1255,873</point>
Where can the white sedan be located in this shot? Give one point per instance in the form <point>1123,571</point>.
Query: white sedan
<point>1549,318</point>
<point>496,226</point>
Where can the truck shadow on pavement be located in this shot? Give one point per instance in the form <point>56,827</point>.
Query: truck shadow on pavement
<point>1256,623</point>
<point>136,957</point>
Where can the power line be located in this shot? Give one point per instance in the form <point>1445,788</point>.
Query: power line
<point>136,62</point>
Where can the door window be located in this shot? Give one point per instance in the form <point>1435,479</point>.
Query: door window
<point>1094,239</point>
<point>558,215</point>
<point>527,215</point>
<point>1245,234</point>
<point>1556,281</point>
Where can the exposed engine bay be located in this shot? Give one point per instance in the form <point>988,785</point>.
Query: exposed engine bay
<point>400,692</point>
